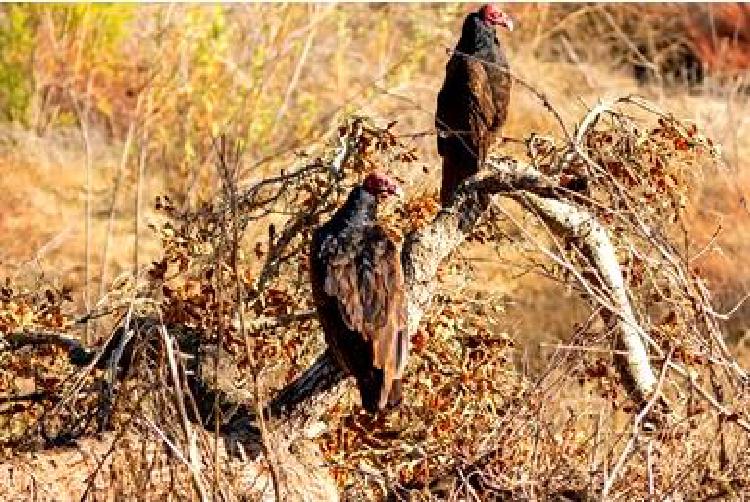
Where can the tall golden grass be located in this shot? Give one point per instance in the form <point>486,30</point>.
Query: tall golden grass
<point>159,82</point>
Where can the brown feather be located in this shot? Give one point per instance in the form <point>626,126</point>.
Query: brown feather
<point>472,107</point>
<point>367,282</point>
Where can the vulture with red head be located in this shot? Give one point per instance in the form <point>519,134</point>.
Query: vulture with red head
<point>473,102</point>
<point>358,288</point>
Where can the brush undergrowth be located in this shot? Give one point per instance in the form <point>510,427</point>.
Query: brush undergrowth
<point>286,83</point>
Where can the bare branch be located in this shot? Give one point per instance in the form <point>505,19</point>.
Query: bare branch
<point>426,249</point>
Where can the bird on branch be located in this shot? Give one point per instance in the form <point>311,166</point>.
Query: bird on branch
<point>472,105</point>
<point>358,288</point>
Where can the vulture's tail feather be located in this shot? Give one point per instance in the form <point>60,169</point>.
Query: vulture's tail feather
<point>369,390</point>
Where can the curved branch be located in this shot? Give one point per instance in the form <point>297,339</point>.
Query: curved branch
<point>596,245</point>
<point>425,249</point>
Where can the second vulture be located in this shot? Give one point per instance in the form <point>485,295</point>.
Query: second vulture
<point>473,102</point>
<point>358,288</point>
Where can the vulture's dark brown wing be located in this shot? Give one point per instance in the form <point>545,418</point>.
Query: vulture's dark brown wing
<point>466,116</point>
<point>483,113</point>
<point>498,74</point>
<point>366,280</point>
<point>465,105</point>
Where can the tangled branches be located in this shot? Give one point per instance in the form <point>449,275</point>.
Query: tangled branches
<point>233,277</point>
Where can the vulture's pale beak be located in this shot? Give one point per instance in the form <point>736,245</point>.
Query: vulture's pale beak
<point>507,22</point>
<point>399,192</point>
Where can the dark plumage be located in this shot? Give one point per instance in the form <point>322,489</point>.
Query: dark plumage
<point>473,102</point>
<point>358,287</point>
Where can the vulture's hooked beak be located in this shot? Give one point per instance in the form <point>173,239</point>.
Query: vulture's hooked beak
<point>506,21</point>
<point>394,191</point>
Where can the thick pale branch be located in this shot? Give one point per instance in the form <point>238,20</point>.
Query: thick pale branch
<point>425,249</point>
<point>572,221</point>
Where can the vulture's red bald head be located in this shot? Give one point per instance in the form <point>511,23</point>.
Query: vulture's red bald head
<point>495,17</point>
<point>380,184</point>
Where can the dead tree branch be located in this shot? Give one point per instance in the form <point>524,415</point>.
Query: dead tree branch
<point>425,249</point>
<point>569,220</point>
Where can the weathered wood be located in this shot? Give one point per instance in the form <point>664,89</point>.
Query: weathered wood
<point>567,219</point>
<point>425,249</point>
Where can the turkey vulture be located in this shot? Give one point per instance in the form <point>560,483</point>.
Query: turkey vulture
<point>473,102</point>
<point>358,288</point>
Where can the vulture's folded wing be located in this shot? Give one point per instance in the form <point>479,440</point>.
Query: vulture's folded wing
<point>482,110</point>
<point>368,283</point>
<point>465,105</point>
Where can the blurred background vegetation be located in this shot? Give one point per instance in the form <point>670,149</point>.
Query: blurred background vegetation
<point>107,106</point>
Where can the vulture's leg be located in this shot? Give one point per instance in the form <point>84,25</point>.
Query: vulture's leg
<point>449,183</point>
<point>459,163</point>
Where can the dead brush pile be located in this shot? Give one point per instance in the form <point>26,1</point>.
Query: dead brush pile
<point>212,330</point>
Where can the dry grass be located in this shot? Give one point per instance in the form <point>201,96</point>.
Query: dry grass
<point>281,78</point>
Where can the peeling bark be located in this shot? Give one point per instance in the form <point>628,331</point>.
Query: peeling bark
<point>572,221</point>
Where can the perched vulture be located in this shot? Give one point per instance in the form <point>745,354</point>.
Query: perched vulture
<point>358,288</point>
<point>473,102</point>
